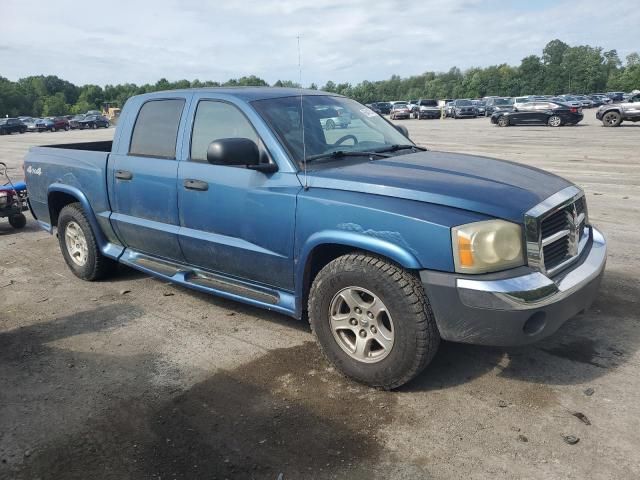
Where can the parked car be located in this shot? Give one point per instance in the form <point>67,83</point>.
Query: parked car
<point>481,106</point>
<point>31,125</point>
<point>60,123</point>
<point>26,119</point>
<point>11,125</point>
<point>384,107</point>
<point>568,100</point>
<point>385,248</point>
<point>93,121</point>
<point>494,104</point>
<point>616,96</point>
<point>613,115</point>
<point>599,100</point>
<point>464,108</point>
<point>517,101</point>
<point>44,125</point>
<point>75,121</point>
<point>539,113</point>
<point>449,107</point>
<point>400,111</point>
<point>426,108</point>
<point>331,117</point>
<point>586,102</point>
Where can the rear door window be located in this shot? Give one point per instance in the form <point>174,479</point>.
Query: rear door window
<point>156,129</point>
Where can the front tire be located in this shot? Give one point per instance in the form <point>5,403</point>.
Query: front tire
<point>372,320</point>
<point>611,119</point>
<point>79,247</point>
<point>503,121</point>
<point>17,221</point>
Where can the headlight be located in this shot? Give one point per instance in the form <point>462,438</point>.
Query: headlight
<point>487,246</point>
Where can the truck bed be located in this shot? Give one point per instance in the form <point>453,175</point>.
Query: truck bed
<point>78,169</point>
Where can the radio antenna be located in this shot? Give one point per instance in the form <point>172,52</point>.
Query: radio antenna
<point>304,145</point>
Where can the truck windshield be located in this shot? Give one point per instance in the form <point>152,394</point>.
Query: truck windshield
<point>356,129</point>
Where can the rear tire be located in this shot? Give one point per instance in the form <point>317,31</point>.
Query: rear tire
<point>17,221</point>
<point>406,338</point>
<point>83,256</point>
<point>554,121</point>
<point>611,119</point>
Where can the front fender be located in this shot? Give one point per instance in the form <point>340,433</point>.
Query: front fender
<point>389,247</point>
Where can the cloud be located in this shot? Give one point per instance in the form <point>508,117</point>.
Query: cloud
<point>141,41</point>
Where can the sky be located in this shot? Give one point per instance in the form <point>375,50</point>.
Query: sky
<point>141,41</point>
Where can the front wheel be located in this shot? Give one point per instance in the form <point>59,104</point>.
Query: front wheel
<point>503,121</point>
<point>79,247</point>
<point>611,119</point>
<point>17,220</point>
<point>372,320</point>
<point>554,121</point>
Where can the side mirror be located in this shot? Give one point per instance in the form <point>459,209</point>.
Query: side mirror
<point>403,130</point>
<point>239,152</point>
<point>515,109</point>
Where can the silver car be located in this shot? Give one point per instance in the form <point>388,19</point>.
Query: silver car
<point>331,118</point>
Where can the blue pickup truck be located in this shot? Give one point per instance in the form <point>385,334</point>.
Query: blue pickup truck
<point>385,247</point>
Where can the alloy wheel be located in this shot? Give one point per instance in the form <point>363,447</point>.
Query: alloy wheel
<point>361,324</point>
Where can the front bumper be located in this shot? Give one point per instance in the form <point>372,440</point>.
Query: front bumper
<point>514,307</point>
<point>429,113</point>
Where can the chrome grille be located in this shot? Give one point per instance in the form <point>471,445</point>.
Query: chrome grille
<point>556,231</point>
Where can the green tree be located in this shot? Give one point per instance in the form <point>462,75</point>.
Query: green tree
<point>55,105</point>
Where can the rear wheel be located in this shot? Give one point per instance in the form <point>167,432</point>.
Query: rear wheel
<point>79,247</point>
<point>554,121</point>
<point>372,320</point>
<point>611,119</point>
<point>17,220</point>
<point>503,121</point>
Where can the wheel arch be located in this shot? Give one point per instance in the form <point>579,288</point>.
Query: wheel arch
<point>324,247</point>
<point>60,195</point>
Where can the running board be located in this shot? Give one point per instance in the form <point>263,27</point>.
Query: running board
<point>209,282</point>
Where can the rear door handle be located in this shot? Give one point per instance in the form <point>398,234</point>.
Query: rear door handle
<point>191,184</point>
<point>124,175</point>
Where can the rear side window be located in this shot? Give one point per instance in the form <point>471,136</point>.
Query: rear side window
<point>156,129</point>
<point>214,121</point>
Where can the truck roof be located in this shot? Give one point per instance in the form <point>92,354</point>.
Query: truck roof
<point>247,94</point>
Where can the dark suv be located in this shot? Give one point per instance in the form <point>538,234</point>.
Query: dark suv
<point>11,125</point>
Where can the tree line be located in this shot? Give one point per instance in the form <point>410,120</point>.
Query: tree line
<point>560,69</point>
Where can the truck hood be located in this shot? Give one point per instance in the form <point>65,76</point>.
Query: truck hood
<point>483,185</point>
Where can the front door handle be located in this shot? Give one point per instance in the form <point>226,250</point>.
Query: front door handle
<point>124,175</point>
<point>191,184</point>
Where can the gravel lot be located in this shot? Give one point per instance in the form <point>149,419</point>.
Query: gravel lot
<point>136,378</point>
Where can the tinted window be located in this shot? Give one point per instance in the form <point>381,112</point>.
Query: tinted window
<point>156,129</point>
<point>216,120</point>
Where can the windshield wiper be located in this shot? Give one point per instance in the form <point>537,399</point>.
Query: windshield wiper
<point>396,147</point>
<point>345,153</point>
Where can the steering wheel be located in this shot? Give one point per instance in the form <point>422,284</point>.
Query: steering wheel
<point>345,138</point>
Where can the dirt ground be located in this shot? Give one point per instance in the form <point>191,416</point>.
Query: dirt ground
<point>136,378</point>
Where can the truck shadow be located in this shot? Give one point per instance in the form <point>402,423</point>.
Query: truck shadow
<point>88,415</point>
<point>585,348</point>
